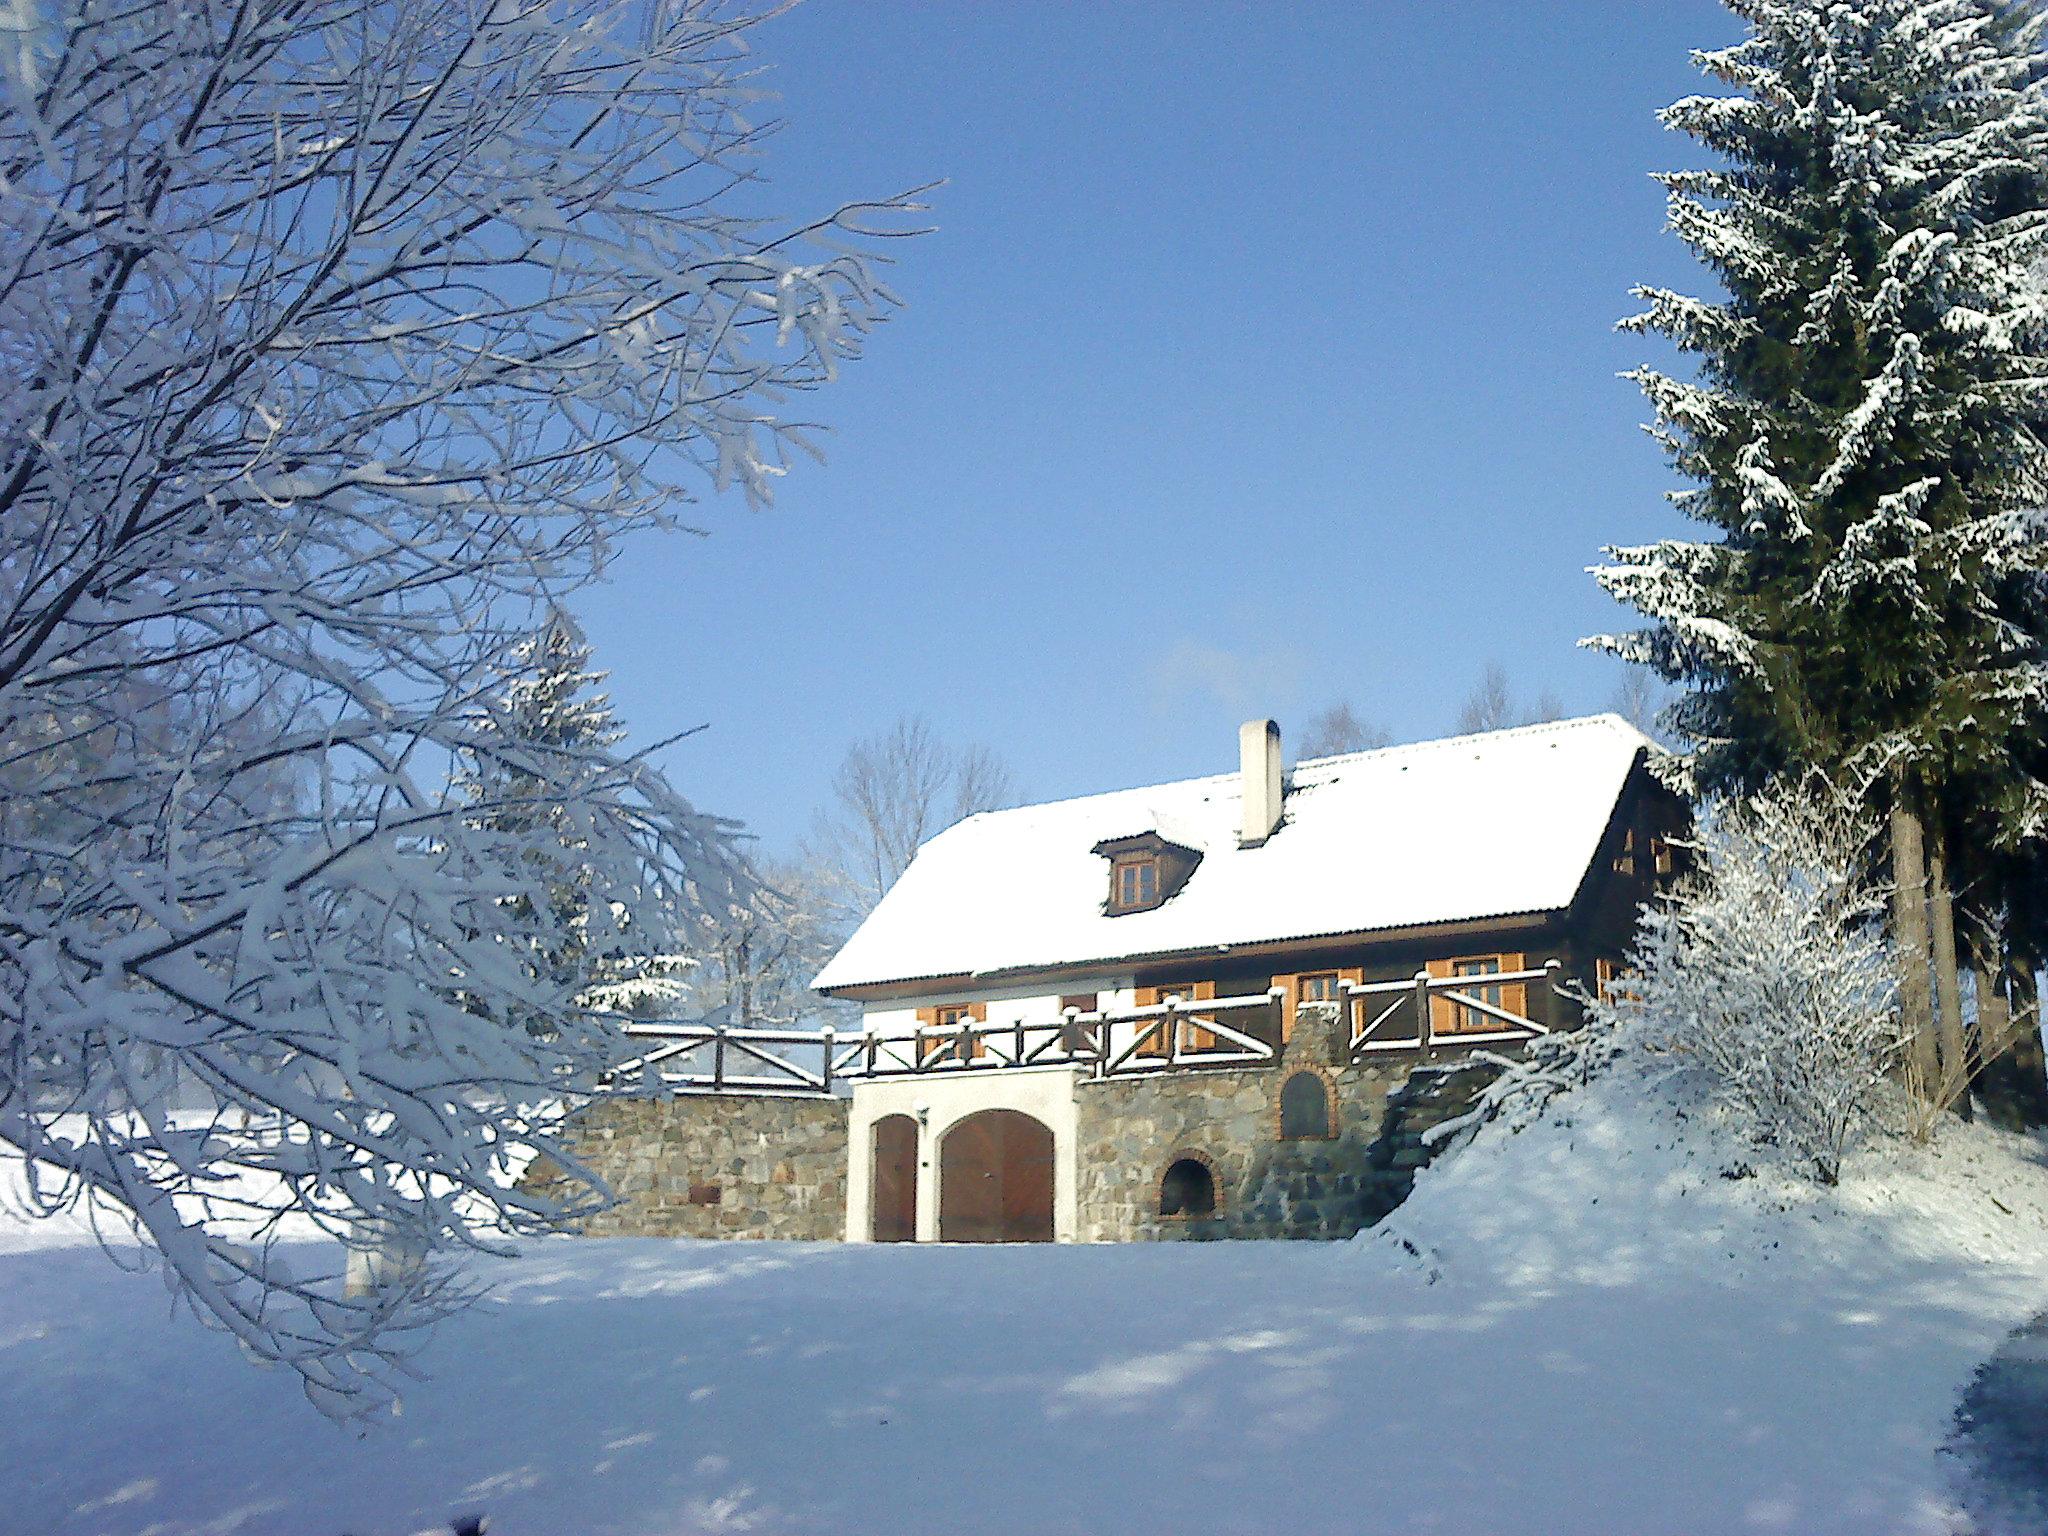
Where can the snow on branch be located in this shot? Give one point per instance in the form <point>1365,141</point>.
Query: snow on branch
<point>336,344</point>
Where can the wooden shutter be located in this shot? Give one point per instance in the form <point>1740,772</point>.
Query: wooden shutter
<point>1288,981</point>
<point>1200,1039</point>
<point>979,1013</point>
<point>1351,975</point>
<point>1514,995</point>
<point>1443,1013</point>
<point>1153,1032</point>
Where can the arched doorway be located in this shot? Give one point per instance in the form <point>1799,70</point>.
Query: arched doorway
<point>995,1180</point>
<point>894,1199</point>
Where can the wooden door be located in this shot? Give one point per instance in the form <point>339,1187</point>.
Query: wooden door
<point>893,1202</point>
<point>996,1180</point>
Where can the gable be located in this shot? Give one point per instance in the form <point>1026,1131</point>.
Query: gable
<point>1447,831</point>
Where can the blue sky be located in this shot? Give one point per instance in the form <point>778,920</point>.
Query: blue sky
<point>1263,356</point>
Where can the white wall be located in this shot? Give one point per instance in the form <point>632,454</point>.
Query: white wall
<point>938,1102</point>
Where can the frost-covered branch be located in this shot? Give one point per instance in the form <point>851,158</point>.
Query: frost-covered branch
<point>336,343</point>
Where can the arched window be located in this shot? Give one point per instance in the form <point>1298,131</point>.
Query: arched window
<point>1305,1111</point>
<point>1189,1189</point>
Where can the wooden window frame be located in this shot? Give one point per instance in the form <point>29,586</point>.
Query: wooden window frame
<point>947,1016</point>
<point>1135,865</point>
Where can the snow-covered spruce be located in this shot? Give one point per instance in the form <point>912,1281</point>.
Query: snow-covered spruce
<point>1866,426</point>
<point>335,343</point>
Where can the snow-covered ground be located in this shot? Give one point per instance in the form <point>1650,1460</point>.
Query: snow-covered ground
<point>1581,1327</point>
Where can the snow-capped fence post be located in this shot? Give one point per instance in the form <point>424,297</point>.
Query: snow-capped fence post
<point>1170,1046</point>
<point>718,1057</point>
<point>1553,969</point>
<point>1422,1013</point>
<point>830,1037</point>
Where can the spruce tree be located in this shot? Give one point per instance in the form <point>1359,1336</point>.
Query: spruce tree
<point>553,726</point>
<point>1865,431</point>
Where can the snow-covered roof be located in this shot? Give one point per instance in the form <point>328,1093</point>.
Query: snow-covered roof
<point>1440,831</point>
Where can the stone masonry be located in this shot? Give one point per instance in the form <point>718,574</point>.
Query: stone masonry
<point>1132,1130</point>
<point>717,1166</point>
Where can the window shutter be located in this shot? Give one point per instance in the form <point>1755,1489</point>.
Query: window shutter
<point>1151,1032</point>
<point>1443,1014</point>
<point>1514,995</point>
<point>1203,1039</point>
<point>1289,983</point>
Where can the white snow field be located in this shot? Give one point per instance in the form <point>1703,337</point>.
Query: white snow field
<point>1596,1332</point>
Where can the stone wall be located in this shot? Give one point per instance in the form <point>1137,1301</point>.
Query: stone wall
<point>1132,1130</point>
<point>717,1166</point>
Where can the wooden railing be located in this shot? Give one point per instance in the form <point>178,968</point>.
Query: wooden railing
<point>1178,1033</point>
<point>709,1058</point>
<point>1370,1034</point>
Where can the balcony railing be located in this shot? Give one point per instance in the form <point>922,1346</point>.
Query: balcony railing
<point>1180,1033</point>
<point>1372,1007</point>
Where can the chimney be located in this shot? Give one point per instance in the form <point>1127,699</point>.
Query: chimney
<point>1258,756</point>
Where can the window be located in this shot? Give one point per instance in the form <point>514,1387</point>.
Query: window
<point>1189,1189</point>
<point>1469,1018</point>
<point>942,1025</point>
<point>1625,861</point>
<point>1305,1109</point>
<point>1137,884</point>
<point>1080,1002</point>
<point>1321,987</point>
<point>1662,859</point>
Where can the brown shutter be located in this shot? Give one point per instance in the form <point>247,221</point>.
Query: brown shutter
<point>1347,1013</point>
<point>1154,1030</point>
<point>1289,982</point>
<point>1443,1014</point>
<point>979,1013</point>
<point>1514,995</point>
<point>1203,1039</point>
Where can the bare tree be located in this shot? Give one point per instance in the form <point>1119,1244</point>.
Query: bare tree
<point>1489,706</point>
<point>335,341</point>
<point>1639,698</point>
<point>1340,729</point>
<point>755,964</point>
<point>1492,705</point>
<point>893,792</point>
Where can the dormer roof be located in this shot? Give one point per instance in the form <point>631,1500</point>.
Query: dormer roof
<point>1465,828</point>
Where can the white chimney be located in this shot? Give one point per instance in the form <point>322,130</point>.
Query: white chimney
<point>1258,757</point>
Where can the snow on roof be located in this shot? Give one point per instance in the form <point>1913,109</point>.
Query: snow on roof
<point>1440,831</point>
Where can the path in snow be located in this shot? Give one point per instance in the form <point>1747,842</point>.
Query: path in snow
<point>2004,1436</point>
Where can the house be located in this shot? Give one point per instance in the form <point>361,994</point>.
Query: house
<point>1226,1006</point>
<point>1223,1007</point>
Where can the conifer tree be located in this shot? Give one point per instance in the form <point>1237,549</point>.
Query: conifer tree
<point>554,725</point>
<point>1866,427</point>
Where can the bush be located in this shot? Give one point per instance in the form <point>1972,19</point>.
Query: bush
<point>1768,969</point>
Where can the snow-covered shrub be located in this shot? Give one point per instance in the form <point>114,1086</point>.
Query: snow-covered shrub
<point>1768,969</point>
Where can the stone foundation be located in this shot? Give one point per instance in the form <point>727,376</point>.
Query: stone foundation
<point>1132,1130</point>
<point>717,1166</point>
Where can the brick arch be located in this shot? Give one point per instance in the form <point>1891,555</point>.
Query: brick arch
<point>1200,1159</point>
<point>1299,1125</point>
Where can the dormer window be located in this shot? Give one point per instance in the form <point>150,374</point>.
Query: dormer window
<point>1135,883</point>
<point>1145,871</point>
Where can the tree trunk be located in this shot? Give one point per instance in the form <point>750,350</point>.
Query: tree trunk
<point>1910,932</point>
<point>1956,1066</point>
<point>2025,1062</point>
